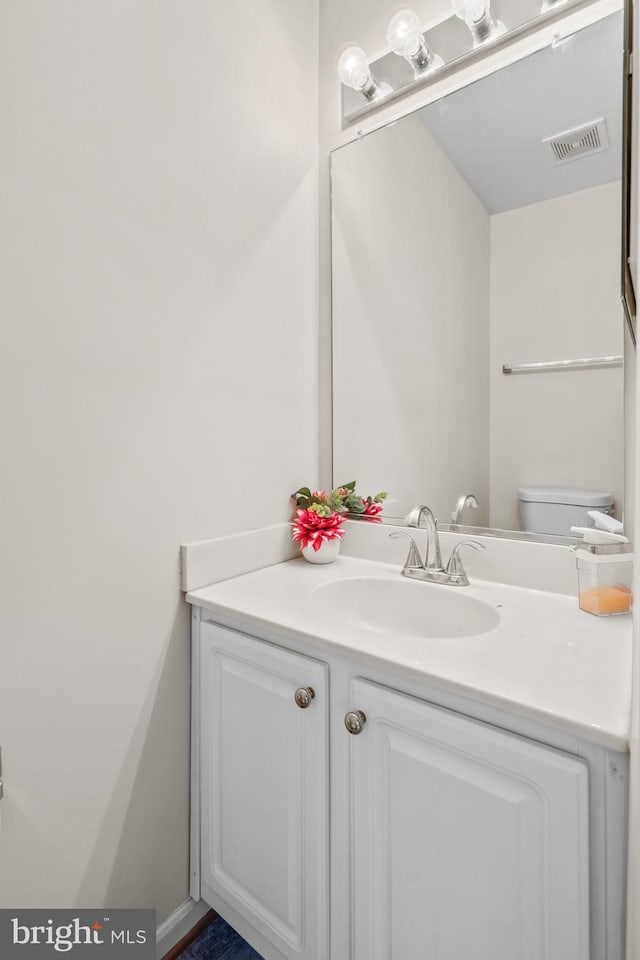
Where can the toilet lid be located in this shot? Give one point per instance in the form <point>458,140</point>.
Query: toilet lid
<point>576,497</point>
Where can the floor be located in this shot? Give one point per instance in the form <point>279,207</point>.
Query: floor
<point>219,942</point>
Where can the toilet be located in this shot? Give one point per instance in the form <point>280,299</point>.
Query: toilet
<point>554,510</point>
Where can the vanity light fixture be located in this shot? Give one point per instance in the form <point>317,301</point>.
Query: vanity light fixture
<point>354,71</point>
<point>405,38</point>
<point>368,82</point>
<point>479,18</point>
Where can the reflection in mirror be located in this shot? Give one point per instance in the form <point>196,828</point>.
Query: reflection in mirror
<point>481,231</point>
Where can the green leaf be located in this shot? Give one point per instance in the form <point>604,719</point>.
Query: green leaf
<point>355,504</point>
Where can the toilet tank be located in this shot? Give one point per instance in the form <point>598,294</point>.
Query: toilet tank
<point>554,510</point>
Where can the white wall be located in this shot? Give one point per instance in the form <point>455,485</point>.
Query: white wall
<point>410,259</point>
<point>556,429</point>
<point>158,382</point>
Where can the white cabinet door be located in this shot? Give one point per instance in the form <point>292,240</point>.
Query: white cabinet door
<point>468,843</point>
<point>264,776</point>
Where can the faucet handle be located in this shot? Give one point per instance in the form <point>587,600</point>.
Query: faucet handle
<point>454,566</point>
<point>413,561</point>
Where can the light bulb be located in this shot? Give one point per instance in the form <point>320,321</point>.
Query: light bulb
<point>354,71</point>
<point>404,35</point>
<point>405,38</point>
<point>478,17</point>
<point>471,11</point>
<point>353,68</point>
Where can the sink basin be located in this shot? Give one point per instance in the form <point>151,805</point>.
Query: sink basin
<point>403,608</point>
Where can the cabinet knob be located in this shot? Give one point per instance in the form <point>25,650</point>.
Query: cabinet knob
<point>355,721</point>
<point>304,696</point>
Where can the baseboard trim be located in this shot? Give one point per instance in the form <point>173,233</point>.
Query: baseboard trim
<point>181,927</point>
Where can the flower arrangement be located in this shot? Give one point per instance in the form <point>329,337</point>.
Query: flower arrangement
<point>320,515</point>
<point>311,528</point>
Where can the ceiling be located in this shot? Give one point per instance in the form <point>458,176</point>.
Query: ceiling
<point>493,130</point>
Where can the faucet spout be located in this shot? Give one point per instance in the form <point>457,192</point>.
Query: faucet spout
<point>433,558</point>
<point>466,500</point>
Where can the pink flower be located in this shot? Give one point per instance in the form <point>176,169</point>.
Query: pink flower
<point>310,530</point>
<point>371,509</point>
<point>319,495</point>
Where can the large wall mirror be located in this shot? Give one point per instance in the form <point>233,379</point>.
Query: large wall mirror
<point>479,233</point>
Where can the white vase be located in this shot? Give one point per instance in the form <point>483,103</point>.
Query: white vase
<point>327,553</point>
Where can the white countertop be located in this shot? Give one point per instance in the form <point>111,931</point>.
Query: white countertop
<point>546,659</point>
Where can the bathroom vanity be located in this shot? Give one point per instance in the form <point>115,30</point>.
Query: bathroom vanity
<point>416,786</point>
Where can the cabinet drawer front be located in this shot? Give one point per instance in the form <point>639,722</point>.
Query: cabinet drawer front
<point>468,842</point>
<point>264,783</point>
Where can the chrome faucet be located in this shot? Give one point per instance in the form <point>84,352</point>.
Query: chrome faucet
<point>433,557</point>
<point>466,500</point>
<point>431,570</point>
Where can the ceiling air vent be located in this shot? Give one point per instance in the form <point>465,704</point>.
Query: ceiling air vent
<point>579,142</point>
